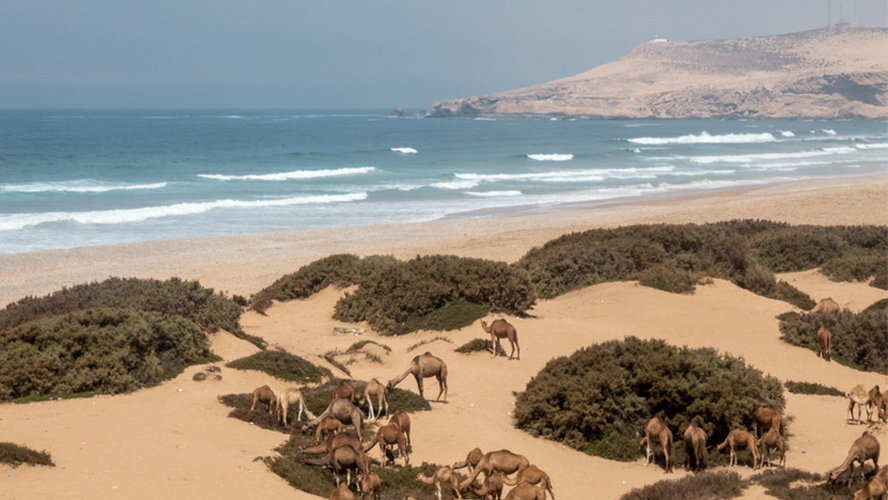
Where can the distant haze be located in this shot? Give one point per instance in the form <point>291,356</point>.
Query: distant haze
<point>341,54</point>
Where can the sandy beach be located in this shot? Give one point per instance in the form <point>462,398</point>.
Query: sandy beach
<point>175,441</point>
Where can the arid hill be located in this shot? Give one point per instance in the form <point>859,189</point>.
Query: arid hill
<point>840,72</point>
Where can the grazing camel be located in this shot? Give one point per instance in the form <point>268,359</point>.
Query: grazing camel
<point>772,440</point>
<point>695,445</point>
<point>265,395</point>
<point>471,460</point>
<point>374,389</point>
<point>342,493</point>
<point>502,329</point>
<point>328,426</point>
<point>402,420</point>
<point>874,402</point>
<point>526,491</point>
<point>876,488</point>
<point>345,391</point>
<point>424,366</point>
<point>492,487</point>
<point>503,461</point>
<point>824,340</point>
<point>444,475</point>
<point>859,397</point>
<point>389,436</point>
<point>344,411</point>
<point>827,305</point>
<point>344,458</point>
<point>656,432</point>
<point>292,398</point>
<point>533,475</point>
<point>737,438</point>
<point>864,448</point>
<point>333,442</point>
<point>371,485</point>
<point>766,418</point>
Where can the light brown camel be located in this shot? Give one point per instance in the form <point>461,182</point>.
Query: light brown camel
<point>265,395</point>
<point>738,438</point>
<point>503,461</point>
<point>328,426</point>
<point>443,476</point>
<point>502,329</point>
<point>766,418</point>
<point>402,420</point>
<point>492,487</point>
<point>656,432</point>
<point>292,398</point>
<point>471,460</point>
<point>333,442</point>
<point>342,459</point>
<point>389,436</point>
<point>533,475</point>
<point>873,402</point>
<point>344,411</point>
<point>876,488</point>
<point>371,485</point>
<point>824,340</point>
<point>772,440</point>
<point>342,493</point>
<point>526,491</point>
<point>695,447</point>
<point>864,448</point>
<point>374,389</point>
<point>859,397</point>
<point>424,366</point>
<point>827,305</point>
<point>345,391</point>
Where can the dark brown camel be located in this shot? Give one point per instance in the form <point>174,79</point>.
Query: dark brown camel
<point>824,340</point>
<point>695,445</point>
<point>389,436</point>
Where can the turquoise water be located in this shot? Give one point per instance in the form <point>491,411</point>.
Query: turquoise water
<point>78,178</point>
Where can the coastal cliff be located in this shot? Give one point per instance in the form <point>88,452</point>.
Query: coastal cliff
<point>840,72</point>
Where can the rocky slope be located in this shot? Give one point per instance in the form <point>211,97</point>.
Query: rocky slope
<point>839,72</point>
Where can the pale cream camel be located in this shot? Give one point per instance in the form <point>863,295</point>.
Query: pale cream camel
<point>265,395</point>
<point>502,329</point>
<point>345,391</point>
<point>857,397</point>
<point>526,491</point>
<point>342,493</point>
<point>503,461</point>
<point>876,488</point>
<point>344,411</point>
<point>864,448</point>
<point>492,487</point>
<point>766,418</point>
<point>772,440</point>
<point>374,389</point>
<point>471,460</point>
<point>695,446</point>
<point>533,475</point>
<point>424,366</point>
<point>292,398</point>
<point>873,402</point>
<point>738,438</point>
<point>371,485</point>
<point>824,340</point>
<point>328,426</point>
<point>827,305</point>
<point>389,436</point>
<point>402,420</point>
<point>443,476</point>
<point>342,459</point>
<point>656,432</point>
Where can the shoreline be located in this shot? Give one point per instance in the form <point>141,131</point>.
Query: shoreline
<point>244,264</point>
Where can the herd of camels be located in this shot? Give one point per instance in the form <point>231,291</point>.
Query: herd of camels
<point>343,452</point>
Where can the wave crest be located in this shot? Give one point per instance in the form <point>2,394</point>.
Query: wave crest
<point>705,138</point>
<point>286,176</point>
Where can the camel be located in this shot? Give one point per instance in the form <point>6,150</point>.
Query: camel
<point>344,458</point>
<point>503,461</point>
<point>656,432</point>
<point>827,305</point>
<point>864,448</point>
<point>424,366</point>
<point>371,485</point>
<point>376,390</point>
<point>402,420</point>
<point>292,398</point>
<point>444,475</point>
<point>772,440</point>
<point>533,475</point>
<point>471,460</point>
<point>824,340</point>
<point>874,401</point>
<point>766,418</point>
<point>526,491</point>
<point>492,487</point>
<point>876,488</point>
<point>333,442</point>
<point>342,493</point>
<point>327,426</point>
<point>265,395</point>
<point>389,436</point>
<point>345,391</point>
<point>502,329</point>
<point>858,396</point>
<point>737,438</point>
<point>695,446</point>
<point>344,411</point>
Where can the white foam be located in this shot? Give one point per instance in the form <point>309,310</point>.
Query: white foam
<point>566,176</point>
<point>872,146</point>
<point>494,194</point>
<point>86,186</point>
<point>551,157</point>
<point>406,151</point>
<point>464,184</point>
<point>286,176</point>
<point>705,138</point>
<point>786,133</point>
<point>751,158</point>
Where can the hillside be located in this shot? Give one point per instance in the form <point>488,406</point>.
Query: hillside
<point>839,72</point>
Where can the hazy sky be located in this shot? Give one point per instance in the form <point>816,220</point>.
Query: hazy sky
<point>329,53</point>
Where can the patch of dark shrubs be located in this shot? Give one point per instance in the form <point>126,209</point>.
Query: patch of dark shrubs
<point>15,455</point>
<point>859,340</point>
<point>282,365</point>
<point>318,398</point>
<point>795,484</point>
<point>599,399</point>
<point>706,485</point>
<point>812,388</point>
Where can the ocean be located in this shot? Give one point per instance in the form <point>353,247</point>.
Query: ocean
<point>97,177</point>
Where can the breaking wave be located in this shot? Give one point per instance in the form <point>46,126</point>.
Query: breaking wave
<point>86,186</point>
<point>286,176</point>
<point>705,138</point>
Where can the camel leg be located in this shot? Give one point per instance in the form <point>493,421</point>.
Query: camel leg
<point>454,483</point>
<point>370,404</point>
<point>438,485</point>
<point>419,383</point>
<point>442,389</point>
<point>647,457</point>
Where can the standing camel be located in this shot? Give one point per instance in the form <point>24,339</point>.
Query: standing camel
<point>344,458</point>
<point>876,488</point>
<point>402,420</point>
<point>857,397</point>
<point>424,366</point>
<point>292,398</point>
<point>766,418</point>
<point>503,461</point>
<point>864,448</point>
<point>471,460</point>
<point>342,410</point>
<point>502,329</point>
<point>824,340</point>
<point>737,438</point>
<point>389,436</point>
<point>772,440</point>
<point>695,446</point>
<point>874,402</point>
<point>444,475</point>
<point>532,475</point>
<point>265,395</point>
<point>656,432</point>
<point>376,390</point>
<point>345,391</point>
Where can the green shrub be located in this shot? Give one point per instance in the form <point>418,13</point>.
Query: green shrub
<point>703,486</point>
<point>599,399</point>
<point>859,340</point>
<point>795,484</point>
<point>879,305</point>
<point>282,365</point>
<point>812,388</point>
<point>16,455</point>
<point>880,281</point>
